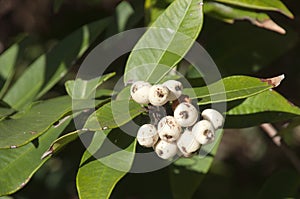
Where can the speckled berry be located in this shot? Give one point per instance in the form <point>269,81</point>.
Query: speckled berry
<point>147,135</point>
<point>166,150</point>
<point>185,114</point>
<point>140,92</point>
<point>158,95</point>
<point>175,88</point>
<point>168,129</point>
<point>204,132</point>
<point>214,117</point>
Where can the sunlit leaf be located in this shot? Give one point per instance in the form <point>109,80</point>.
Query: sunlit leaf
<point>83,89</point>
<point>166,42</point>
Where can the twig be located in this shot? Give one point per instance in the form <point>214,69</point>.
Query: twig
<point>277,139</point>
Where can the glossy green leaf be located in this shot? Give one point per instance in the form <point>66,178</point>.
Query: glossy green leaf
<point>154,8</point>
<point>18,165</point>
<point>123,12</point>
<point>6,197</point>
<point>49,68</point>
<point>274,5</point>
<point>236,87</point>
<point>230,14</point>
<point>186,174</point>
<point>166,42</point>
<point>113,115</point>
<point>33,123</point>
<point>104,93</point>
<point>7,63</point>
<point>83,89</point>
<point>61,142</point>
<point>265,107</point>
<point>95,179</point>
<point>5,112</point>
<point>124,94</point>
<point>282,184</point>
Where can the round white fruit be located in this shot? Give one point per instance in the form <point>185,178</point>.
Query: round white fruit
<point>185,114</point>
<point>214,117</point>
<point>147,135</point>
<point>168,129</point>
<point>140,92</point>
<point>187,143</point>
<point>175,88</point>
<point>158,95</point>
<point>166,150</point>
<point>204,132</point>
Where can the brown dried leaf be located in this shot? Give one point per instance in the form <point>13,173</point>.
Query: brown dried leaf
<point>269,24</point>
<point>274,81</point>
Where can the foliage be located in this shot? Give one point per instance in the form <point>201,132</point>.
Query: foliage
<point>35,115</point>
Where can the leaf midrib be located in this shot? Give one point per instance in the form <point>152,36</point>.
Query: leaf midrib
<point>171,40</point>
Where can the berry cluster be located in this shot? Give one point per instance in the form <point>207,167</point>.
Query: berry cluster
<point>181,132</point>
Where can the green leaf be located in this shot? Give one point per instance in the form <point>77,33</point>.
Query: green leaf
<point>95,179</point>
<point>123,12</point>
<point>104,92</point>
<point>282,184</point>
<point>17,166</point>
<point>61,142</point>
<point>49,68</point>
<point>7,64</point>
<point>230,14</point>
<point>6,197</point>
<point>166,42</point>
<point>4,112</point>
<point>236,87</point>
<point>154,8</point>
<point>187,173</point>
<point>83,89</point>
<point>8,60</point>
<point>265,107</point>
<point>124,94</point>
<point>274,5</point>
<point>113,115</point>
<point>33,123</point>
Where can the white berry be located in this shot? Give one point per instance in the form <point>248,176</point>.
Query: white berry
<point>168,129</point>
<point>175,88</point>
<point>147,135</point>
<point>187,143</point>
<point>204,132</point>
<point>140,92</point>
<point>158,95</point>
<point>214,117</point>
<point>166,150</point>
<point>185,114</point>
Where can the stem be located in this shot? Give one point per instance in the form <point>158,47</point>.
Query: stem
<point>278,141</point>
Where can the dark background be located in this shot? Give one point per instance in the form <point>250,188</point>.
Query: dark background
<point>246,159</point>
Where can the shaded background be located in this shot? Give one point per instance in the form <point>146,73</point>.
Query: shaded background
<point>246,159</point>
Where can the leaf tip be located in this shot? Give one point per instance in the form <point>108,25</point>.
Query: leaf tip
<point>274,81</point>
<point>270,25</point>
